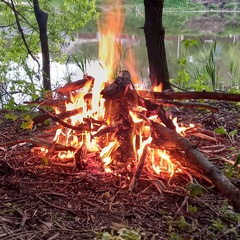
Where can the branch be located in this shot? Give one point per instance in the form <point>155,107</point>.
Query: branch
<point>194,156</point>
<point>16,13</point>
<point>191,95</point>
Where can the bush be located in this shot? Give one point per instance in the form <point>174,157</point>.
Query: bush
<point>229,6</point>
<point>213,6</point>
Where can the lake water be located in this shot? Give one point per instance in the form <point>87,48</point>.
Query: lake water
<point>204,27</point>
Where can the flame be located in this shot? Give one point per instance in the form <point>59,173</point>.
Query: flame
<point>144,143</point>
<point>106,152</point>
<point>135,118</point>
<point>158,88</point>
<point>110,36</point>
<point>110,51</point>
<point>161,161</point>
<point>131,65</point>
<point>181,130</point>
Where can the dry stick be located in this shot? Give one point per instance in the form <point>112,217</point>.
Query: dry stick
<point>55,206</point>
<point>191,95</point>
<point>24,140</point>
<point>194,156</point>
<point>181,207</point>
<point>139,168</point>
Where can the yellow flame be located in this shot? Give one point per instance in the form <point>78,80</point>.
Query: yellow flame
<point>135,118</point>
<point>158,88</point>
<point>161,161</point>
<point>107,151</point>
<point>140,150</point>
<point>179,129</point>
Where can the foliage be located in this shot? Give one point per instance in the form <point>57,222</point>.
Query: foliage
<point>122,234</point>
<point>213,6</point>
<point>202,72</point>
<point>18,70</point>
<point>182,4</point>
<point>230,6</point>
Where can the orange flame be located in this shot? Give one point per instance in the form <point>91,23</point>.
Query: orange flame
<point>110,36</point>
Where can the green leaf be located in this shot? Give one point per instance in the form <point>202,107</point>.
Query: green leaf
<point>192,209</point>
<point>237,161</point>
<point>182,61</point>
<point>129,234</point>
<point>195,189</point>
<point>233,133</point>
<point>11,116</point>
<point>106,236</point>
<point>230,172</point>
<point>47,122</point>
<point>27,124</point>
<point>221,130</point>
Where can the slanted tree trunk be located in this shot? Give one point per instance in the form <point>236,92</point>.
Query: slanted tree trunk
<point>42,18</point>
<point>154,34</point>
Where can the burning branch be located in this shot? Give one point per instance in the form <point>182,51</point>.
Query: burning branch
<point>72,86</point>
<point>136,176</point>
<point>194,156</point>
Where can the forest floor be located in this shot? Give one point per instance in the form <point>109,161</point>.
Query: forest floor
<point>50,202</point>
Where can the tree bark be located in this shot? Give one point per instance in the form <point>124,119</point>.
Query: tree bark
<point>154,35</point>
<point>42,18</point>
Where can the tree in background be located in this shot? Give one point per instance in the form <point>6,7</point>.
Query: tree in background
<point>25,31</point>
<point>154,34</point>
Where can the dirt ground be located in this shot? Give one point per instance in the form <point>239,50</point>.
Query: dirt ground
<point>41,201</point>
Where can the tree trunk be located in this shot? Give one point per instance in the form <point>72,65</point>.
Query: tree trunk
<point>154,34</point>
<point>42,18</point>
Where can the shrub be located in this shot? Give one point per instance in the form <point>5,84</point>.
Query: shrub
<point>213,6</point>
<point>229,6</point>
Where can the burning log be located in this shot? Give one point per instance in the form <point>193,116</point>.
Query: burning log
<point>119,86</point>
<point>199,160</point>
<point>56,118</point>
<point>72,86</point>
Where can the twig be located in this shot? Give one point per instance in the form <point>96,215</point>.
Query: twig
<point>58,207</point>
<point>181,207</point>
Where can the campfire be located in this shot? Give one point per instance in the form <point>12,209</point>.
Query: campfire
<point>105,124</point>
